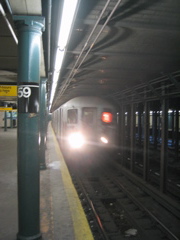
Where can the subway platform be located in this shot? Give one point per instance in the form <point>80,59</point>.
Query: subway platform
<point>61,213</point>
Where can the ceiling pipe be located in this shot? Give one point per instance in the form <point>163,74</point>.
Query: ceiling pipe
<point>85,45</point>
<point>72,73</point>
<point>7,21</point>
<point>83,49</point>
<point>68,15</point>
<point>9,7</point>
<point>49,33</point>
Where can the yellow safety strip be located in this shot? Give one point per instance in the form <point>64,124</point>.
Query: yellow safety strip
<point>81,227</point>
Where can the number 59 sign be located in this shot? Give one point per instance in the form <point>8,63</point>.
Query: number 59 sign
<point>24,92</point>
<point>28,98</point>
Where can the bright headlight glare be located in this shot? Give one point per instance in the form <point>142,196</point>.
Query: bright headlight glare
<point>76,140</point>
<point>104,140</point>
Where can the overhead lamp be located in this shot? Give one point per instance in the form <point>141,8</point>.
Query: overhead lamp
<point>68,13</point>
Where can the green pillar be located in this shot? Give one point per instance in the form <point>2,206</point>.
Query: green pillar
<point>5,121</point>
<point>43,123</point>
<point>11,119</point>
<point>29,35</point>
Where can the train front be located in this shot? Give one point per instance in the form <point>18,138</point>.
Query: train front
<point>95,131</point>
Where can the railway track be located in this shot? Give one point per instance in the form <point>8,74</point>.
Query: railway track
<point>117,208</point>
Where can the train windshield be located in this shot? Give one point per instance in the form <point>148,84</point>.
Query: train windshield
<point>72,116</point>
<point>88,115</point>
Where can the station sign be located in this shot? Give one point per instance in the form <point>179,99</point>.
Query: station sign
<point>6,109</point>
<point>8,91</point>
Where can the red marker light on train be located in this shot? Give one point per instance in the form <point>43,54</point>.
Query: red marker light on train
<point>107,117</point>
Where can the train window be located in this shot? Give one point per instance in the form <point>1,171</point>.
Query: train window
<point>107,117</point>
<point>88,115</point>
<point>72,115</point>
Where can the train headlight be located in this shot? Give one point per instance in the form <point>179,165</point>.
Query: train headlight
<point>104,140</point>
<point>76,140</point>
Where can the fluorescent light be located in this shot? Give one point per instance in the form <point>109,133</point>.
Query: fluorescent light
<point>58,60</point>
<point>53,88</point>
<point>69,9</point>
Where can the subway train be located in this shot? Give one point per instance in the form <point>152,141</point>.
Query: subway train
<point>86,124</point>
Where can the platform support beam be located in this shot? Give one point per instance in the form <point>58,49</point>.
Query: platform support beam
<point>140,111</point>
<point>154,128</point>
<point>177,135</point>
<point>11,119</point>
<point>133,133</point>
<point>123,134</point>
<point>5,121</point>
<point>42,123</point>
<point>146,142</point>
<point>164,146</point>
<point>29,36</point>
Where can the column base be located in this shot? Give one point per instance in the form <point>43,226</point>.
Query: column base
<point>43,166</point>
<point>35,237</point>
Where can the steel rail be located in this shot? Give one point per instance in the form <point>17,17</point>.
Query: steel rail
<point>140,205</point>
<point>98,220</point>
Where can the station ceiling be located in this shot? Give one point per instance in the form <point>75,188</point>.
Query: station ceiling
<point>123,50</point>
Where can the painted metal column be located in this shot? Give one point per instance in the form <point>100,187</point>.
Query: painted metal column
<point>11,119</point>
<point>158,127</point>
<point>146,142</point>
<point>42,123</point>
<point>5,121</point>
<point>122,128</point>
<point>29,32</point>
<point>154,128</point>
<point>177,136</point>
<point>140,125</point>
<point>133,133</point>
<point>173,128</point>
<point>164,146</point>
<point>128,129</point>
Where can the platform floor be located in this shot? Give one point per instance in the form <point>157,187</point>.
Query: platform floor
<point>61,213</point>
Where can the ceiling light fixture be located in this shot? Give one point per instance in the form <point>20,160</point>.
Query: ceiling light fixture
<point>68,13</point>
